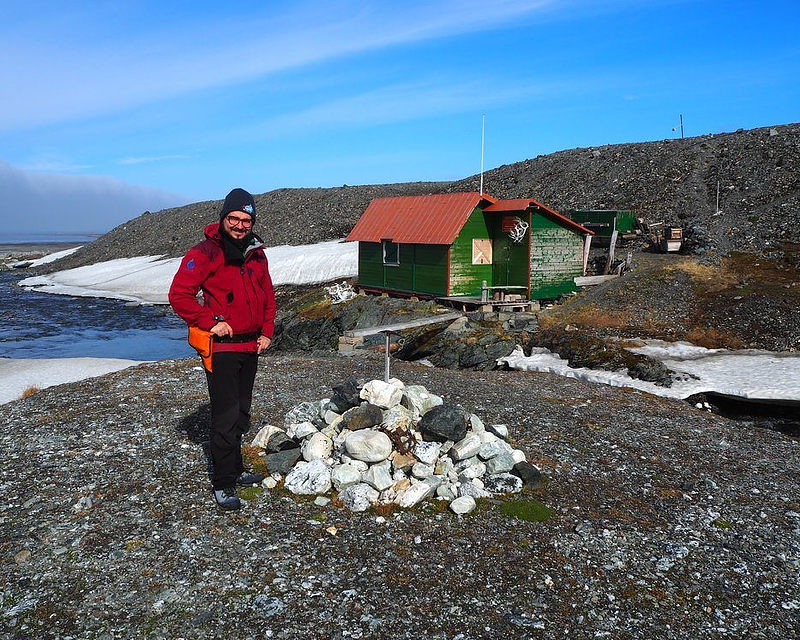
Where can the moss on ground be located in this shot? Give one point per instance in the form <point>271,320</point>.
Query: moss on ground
<point>529,509</point>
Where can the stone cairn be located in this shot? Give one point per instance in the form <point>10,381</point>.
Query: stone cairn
<point>379,443</point>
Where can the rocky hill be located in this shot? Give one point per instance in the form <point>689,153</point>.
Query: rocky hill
<point>676,180</point>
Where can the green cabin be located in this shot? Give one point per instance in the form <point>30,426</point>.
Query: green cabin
<point>448,245</point>
<point>605,221</point>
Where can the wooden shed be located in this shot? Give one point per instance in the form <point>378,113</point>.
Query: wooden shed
<point>447,245</point>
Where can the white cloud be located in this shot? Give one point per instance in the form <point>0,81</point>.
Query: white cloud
<point>149,159</point>
<point>80,68</point>
<point>50,203</point>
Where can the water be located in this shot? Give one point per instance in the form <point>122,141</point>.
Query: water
<point>40,325</point>
<point>11,239</point>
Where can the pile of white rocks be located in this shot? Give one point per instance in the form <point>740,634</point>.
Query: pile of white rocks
<point>378,443</point>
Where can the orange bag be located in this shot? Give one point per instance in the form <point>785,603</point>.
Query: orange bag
<point>203,343</point>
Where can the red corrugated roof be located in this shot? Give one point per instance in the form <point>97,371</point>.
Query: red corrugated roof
<point>434,219</point>
<point>521,204</point>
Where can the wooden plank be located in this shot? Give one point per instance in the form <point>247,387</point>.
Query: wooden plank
<point>586,281</point>
<point>411,324</point>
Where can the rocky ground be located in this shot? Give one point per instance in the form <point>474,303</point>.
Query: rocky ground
<point>658,521</point>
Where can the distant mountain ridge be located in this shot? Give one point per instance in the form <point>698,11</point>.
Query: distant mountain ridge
<point>675,179</point>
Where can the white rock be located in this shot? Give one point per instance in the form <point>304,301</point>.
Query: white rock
<point>343,475</point>
<point>472,472</point>
<point>500,463</point>
<point>443,466</point>
<point>493,449</point>
<point>519,455</point>
<point>317,447</point>
<point>378,476</point>
<point>488,436</point>
<point>358,497</point>
<point>414,494</point>
<point>300,430</point>
<point>397,418</point>
<point>427,452</point>
<point>330,416</point>
<point>447,491</point>
<point>264,434</point>
<point>472,489</point>
<point>464,504</point>
<point>466,448</point>
<point>398,475</point>
<point>422,470</point>
<point>358,464</point>
<point>381,394</point>
<point>309,478</point>
<point>418,400</point>
<point>476,424</point>
<point>322,501</point>
<point>368,445</point>
<point>269,482</point>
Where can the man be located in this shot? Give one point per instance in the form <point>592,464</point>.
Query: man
<point>230,267</point>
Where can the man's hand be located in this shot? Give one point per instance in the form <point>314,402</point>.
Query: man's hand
<point>263,343</point>
<point>222,329</point>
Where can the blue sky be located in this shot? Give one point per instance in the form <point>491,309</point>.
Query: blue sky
<point>140,105</point>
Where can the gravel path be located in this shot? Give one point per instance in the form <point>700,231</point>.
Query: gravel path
<point>668,522</point>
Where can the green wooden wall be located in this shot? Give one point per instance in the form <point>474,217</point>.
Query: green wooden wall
<point>465,277</point>
<point>422,268</point>
<point>510,259</point>
<point>556,258</point>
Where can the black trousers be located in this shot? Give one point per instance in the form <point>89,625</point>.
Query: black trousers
<point>230,388</point>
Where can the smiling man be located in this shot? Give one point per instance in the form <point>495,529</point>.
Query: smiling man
<point>238,307</point>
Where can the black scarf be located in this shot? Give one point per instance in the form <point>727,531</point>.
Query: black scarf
<point>235,249</point>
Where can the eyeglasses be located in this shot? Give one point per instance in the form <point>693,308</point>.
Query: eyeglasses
<point>240,222</point>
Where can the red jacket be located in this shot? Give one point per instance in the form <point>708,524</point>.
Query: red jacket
<point>240,294</point>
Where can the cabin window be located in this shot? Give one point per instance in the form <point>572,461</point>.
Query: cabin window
<point>481,251</point>
<point>391,253</point>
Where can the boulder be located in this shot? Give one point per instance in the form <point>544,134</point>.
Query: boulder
<point>466,448</point>
<point>304,412</point>
<point>462,505</point>
<point>282,461</point>
<point>503,483</point>
<point>493,449</point>
<point>264,434</point>
<point>444,422</point>
<point>419,400</point>
<point>279,441</point>
<point>346,395</point>
<point>427,452</point>
<point>317,447</point>
<point>500,464</point>
<point>398,418</point>
<point>414,494</point>
<point>300,430</point>
<point>362,417</point>
<point>343,475</point>
<point>378,476</point>
<point>309,478</point>
<point>530,475</point>
<point>382,394</point>
<point>368,445</point>
<point>358,497</point>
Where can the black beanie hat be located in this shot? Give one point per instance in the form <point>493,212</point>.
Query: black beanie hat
<point>238,200</point>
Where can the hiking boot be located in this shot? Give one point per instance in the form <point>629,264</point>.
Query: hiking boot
<point>247,478</point>
<point>227,499</point>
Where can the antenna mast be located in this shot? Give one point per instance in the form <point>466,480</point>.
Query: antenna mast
<point>483,127</point>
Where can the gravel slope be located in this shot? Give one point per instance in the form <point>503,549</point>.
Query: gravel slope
<point>668,179</point>
<point>669,522</point>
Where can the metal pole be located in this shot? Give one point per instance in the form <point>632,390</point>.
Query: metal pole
<point>386,374</point>
<point>681,126</point>
<point>717,210</point>
<point>483,128</point>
